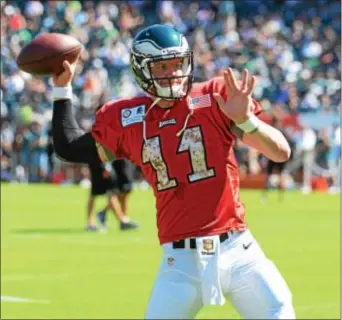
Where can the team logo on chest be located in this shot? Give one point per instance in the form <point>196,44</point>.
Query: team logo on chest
<point>162,124</point>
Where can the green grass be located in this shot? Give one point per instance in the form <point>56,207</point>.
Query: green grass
<point>47,255</point>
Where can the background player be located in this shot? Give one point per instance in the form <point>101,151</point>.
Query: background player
<point>104,181</point>
<point>121,173</point>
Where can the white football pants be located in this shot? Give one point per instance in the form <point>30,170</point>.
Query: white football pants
<point>248,279</point>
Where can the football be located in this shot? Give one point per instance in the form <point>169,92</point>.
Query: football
<point>45,54</point>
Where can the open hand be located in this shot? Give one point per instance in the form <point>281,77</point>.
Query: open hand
<point>64,79</point>
<point>239,97</point>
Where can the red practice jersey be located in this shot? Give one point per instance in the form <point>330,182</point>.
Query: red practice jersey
<point>194,175</point>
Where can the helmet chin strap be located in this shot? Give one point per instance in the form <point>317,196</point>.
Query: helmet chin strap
<point>167,91</point>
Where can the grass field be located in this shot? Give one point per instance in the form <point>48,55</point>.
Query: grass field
<point>65,272</point>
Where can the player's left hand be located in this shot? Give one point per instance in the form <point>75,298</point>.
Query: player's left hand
<point>239,97</point>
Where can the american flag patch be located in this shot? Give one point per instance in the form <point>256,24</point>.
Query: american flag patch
<point>200,102</point>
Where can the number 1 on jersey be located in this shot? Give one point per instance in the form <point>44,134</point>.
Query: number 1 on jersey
<point>152,153</point>
<point>191,141</point>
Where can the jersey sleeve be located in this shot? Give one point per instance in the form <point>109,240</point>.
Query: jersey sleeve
<point>108,133</point>
<point>217,85</point>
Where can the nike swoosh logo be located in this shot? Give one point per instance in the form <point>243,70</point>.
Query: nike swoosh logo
<point>246,246</point>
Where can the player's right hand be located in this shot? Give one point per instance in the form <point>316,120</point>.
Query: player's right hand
<point>64,79</point>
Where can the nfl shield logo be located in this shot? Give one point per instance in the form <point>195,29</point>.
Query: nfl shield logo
<point>208,244</point>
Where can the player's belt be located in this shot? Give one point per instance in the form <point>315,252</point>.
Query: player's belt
<point>181,243</point>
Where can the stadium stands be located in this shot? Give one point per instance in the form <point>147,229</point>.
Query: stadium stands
<point>294,48</point>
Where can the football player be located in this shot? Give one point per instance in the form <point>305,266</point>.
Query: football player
<point>119,183</point>
<point>107,180</point>
<point>181,134</point>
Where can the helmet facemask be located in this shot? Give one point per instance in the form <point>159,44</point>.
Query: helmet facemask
<point>169,89</point>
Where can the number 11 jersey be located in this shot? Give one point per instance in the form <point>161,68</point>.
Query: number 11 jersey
<point>185,153</point>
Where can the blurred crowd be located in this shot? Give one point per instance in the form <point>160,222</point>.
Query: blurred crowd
<point>293,47</point>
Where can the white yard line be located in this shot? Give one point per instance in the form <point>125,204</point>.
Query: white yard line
<point>21,300</point>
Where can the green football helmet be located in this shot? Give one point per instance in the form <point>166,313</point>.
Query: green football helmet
<point>161,43</point>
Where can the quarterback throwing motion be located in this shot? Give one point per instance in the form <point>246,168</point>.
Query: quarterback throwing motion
<point>181,134</point>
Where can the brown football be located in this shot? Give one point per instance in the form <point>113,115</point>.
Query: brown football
<point>45,54</point>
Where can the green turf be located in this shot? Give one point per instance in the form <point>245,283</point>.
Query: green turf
<point>47,255</point>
